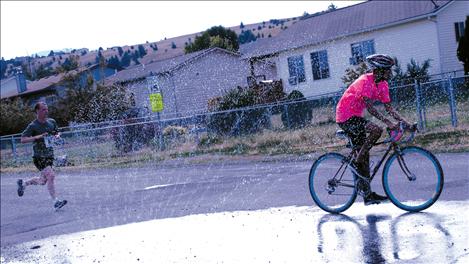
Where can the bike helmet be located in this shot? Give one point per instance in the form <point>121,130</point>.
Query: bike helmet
<point>380,61</point>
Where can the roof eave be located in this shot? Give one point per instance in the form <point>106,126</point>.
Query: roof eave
<point>403,21</point>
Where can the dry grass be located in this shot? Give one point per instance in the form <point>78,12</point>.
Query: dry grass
<point>318,138</point>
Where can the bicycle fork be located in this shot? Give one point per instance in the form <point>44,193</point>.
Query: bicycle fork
<point>410,176</point>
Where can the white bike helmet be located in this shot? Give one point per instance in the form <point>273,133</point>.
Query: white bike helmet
<point>380,61</point>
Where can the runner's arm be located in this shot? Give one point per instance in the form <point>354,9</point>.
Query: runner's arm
<point>32,138</point>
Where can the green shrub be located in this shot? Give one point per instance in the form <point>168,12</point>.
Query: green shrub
<point>208,140</point>
<point>174,133</point>
<point>298,114</point>
<point>240,122</point>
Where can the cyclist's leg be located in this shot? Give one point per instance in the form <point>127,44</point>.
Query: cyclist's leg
<point>355,128</point>
<point>363,157</point>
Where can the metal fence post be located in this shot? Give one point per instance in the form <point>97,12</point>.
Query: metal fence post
<point>421,122</point>
<point>452,103</point>
<point>13,148</point>
<point>285,107</point>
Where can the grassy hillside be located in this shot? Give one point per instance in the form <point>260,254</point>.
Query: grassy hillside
<point>166,49</point>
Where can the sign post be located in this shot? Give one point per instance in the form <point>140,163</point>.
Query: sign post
<point>156,102</point>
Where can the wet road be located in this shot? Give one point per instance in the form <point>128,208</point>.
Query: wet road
<point>248,212</point>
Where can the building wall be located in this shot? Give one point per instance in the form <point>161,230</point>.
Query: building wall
<point>455,12</point>
<point>187,90</point>
<point>210,76</point>
<point>417,40</point>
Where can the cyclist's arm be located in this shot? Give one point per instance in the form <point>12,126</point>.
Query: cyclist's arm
<point>393,113</point>
<point>372,110</point>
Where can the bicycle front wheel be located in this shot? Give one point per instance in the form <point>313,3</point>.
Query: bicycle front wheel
<point>413,179</point>
<point>332,183</point>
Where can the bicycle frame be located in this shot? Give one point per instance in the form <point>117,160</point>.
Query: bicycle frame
<point>394,147</point>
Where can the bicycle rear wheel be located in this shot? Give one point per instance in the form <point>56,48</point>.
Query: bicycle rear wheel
<point>413,180</point>
<point>332,183</point>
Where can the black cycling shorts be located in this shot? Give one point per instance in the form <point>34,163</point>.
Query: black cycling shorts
<point>41,163</point>
<point>355,128</point>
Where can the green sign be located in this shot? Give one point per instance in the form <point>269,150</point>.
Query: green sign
<point>156,100</point>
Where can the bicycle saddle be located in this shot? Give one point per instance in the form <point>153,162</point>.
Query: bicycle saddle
<point>342,135</point>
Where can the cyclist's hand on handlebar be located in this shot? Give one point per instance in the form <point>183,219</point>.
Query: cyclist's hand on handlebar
<point>413,127</point>
<point>392,127</point>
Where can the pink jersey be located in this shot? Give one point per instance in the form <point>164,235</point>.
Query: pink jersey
<point>352,103</point>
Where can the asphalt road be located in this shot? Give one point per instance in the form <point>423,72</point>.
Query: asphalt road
<point>102,198</point>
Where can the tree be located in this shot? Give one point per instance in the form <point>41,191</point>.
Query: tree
<point>98,57</point>
<point>135,57</point>
<point>398,74</point>
<point>352,73</point>
<point>125,60</point>
<point>120,50</point>
<point>331,7</point>
<point>14,116</point>
<point>417,71</point>
<point>173,45</point>
<point>108,103</point>
<point>141,50</point>
<point>463,47</point>
<point>246,37</point>
<point>51,53</point>
<point>241,25</point>
<point>73,106</point>
<point>70,63</point>
<point>43,71</point>
<point>114,63</point>
<point>216,36</point>
<point>83,104</point>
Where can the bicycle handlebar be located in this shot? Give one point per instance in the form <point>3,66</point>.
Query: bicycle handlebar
<point>396,135</point>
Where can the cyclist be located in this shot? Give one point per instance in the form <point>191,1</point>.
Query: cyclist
<point>43,158</point>
<point>369,88</point>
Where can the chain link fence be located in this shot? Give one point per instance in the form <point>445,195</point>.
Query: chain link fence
<point>433,104</point>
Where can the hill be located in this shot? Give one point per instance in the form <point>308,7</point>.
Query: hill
<point>159,50</point>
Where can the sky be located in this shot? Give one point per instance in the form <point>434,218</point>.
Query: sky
<point>29,27</point>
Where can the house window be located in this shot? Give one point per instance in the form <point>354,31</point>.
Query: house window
<point>320,65</point>
<point>296,69</point>
<point>459,30</point>
<point>360,50</point>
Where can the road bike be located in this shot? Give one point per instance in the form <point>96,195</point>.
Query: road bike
<point>412,176</point>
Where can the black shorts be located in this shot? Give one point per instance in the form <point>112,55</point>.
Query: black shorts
<point>355,128</point>
<point>41,163</point>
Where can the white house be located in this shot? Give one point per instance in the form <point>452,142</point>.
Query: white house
<point>312,55</point>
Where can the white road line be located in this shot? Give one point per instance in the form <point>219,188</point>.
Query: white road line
<point>160,186</point>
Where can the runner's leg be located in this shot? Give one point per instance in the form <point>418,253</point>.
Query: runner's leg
<point>49,174</point>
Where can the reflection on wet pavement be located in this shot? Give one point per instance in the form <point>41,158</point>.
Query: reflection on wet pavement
<point>372,234</point>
